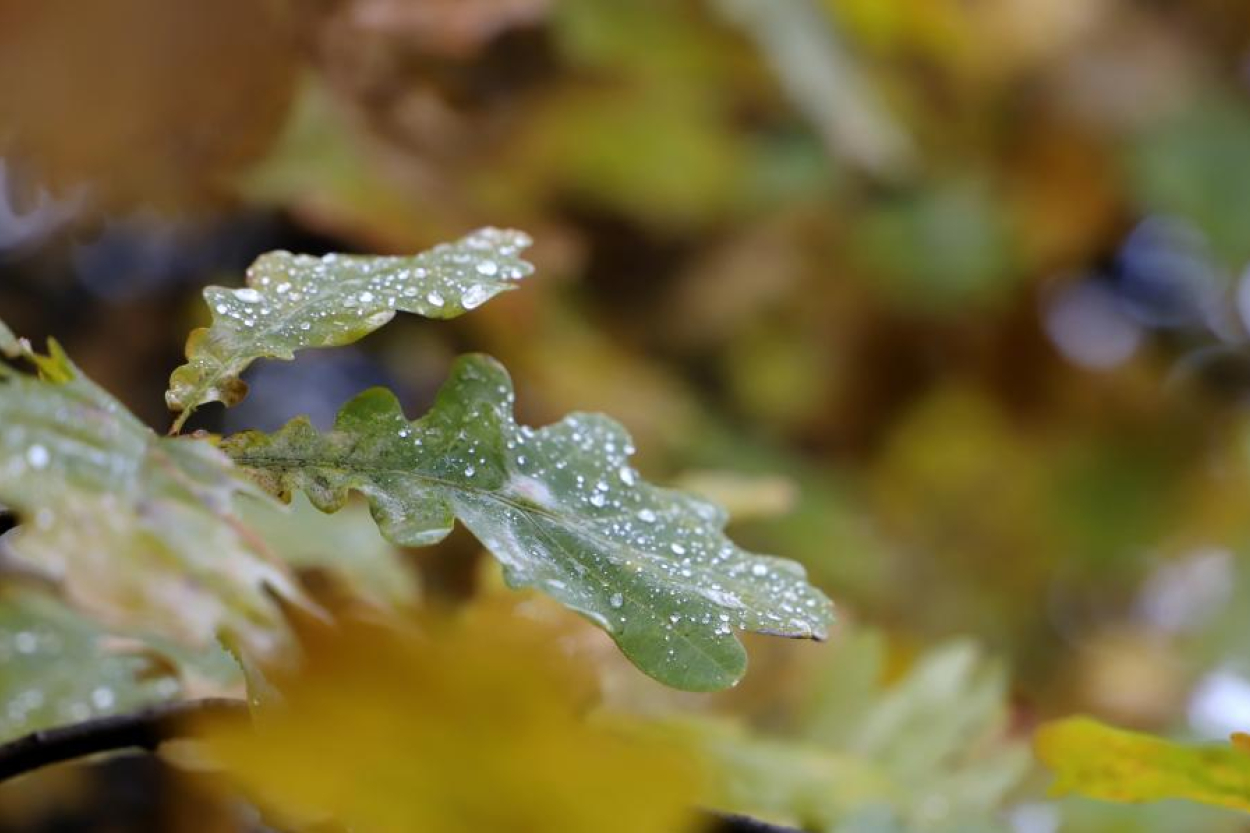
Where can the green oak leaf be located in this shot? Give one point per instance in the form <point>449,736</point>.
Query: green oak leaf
<point>134,528</point>
<point>296,301</point>
<point>563,511</point>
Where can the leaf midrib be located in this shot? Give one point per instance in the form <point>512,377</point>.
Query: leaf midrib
<point>525,508</point>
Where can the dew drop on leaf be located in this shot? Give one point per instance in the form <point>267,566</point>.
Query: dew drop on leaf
<point>37,456</point>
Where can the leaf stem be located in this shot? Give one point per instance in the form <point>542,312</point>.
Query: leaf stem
<point>179,421</point>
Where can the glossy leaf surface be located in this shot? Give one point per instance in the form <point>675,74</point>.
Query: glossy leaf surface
<point>292,302</point>
<point>563,511</point>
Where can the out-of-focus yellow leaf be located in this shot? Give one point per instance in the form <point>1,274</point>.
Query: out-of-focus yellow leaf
<point>473,726</point>
<point>1100,761</point>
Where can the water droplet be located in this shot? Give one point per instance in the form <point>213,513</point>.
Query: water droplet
<point>102,697</point>
<point>487,267</point>
<point>616,600</point>
<point>366,297</point>
<point>247,295</point>
<point>628,477</point>
<point>474,297</point>
<point>598,499</point>
<point>678,549</point>
<point>646,516</point>
<point>435,299</point>
<point>38,456</point>
<point>469,471</point>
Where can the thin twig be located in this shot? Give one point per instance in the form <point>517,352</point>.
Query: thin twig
<point>143,729</point>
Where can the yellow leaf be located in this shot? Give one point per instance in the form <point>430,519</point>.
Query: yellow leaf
<point>1100,761</point>
<point>477,725</point>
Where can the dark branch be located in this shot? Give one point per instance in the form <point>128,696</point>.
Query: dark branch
<point>725,823</point>
<point>144,729</point>
<point>149,727</point>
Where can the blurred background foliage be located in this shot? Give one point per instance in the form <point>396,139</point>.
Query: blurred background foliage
<point>947,300</point>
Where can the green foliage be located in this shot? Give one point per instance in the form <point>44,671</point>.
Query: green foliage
<point>562,510</point>
<point>943,247</point>
<point>927,753</point>
<point>1192,167</point>
<point>8,342</point>
<point>59,667</point>
<point>295,301</point>
<point>345,547</point>
<point>136,528</point>
<point>155,537</point>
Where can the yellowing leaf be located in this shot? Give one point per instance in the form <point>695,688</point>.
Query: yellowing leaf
<point>1100,761</point>
<point>296,301</point>
<point>475,726</point>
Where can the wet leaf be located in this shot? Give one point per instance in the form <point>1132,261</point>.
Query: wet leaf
<point>296,301</point>
<point>1100,761</point>
<point>58,667</point>
<point>476,725</point>
<point>561,508</point>
<point>135,528</point>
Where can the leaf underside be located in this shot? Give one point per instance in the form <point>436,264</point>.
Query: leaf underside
<point>294,301</point>
<point>563,511</point>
